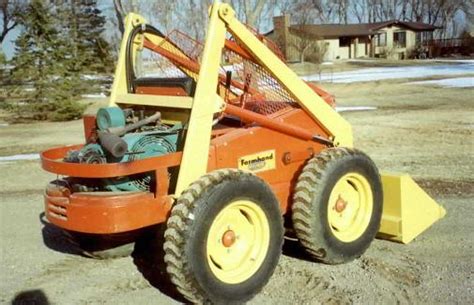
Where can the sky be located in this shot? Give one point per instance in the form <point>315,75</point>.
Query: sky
<point>8,46</point>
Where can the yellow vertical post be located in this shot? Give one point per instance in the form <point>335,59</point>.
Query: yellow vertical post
<point>198,135</point>
<point>119,85</point>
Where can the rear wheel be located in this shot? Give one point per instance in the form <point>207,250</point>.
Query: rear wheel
<point>223,238</point>
<point>337,205</point>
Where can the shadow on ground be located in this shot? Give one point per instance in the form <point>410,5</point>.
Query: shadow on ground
<point>55,239</point>
<point>293,248</point>
<point>149,259</point>
<point>33,297</point>
<point>148,255</point>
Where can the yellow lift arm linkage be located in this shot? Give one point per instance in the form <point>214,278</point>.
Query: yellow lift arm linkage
<point>222,19</point>
<point>408,210</point>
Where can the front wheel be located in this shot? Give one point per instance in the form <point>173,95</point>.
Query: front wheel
<point>223,238</point>
<point>337,205</point>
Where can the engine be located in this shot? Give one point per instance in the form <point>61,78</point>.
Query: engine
<point>122,136</point>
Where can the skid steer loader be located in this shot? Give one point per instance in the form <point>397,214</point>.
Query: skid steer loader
<point>219,142</point>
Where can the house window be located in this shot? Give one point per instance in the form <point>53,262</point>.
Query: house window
<point>381,39</point>
<point>400,39</point>
<point>344,41</point>
<point>419,37</point>
<point>427,37</point>
<point>423,38</point>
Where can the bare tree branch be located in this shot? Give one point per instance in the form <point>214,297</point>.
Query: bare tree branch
<point>119,14</point>
<point>9,11</point>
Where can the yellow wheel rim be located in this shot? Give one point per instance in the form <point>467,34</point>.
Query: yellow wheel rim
<point>238,241</point>
<point>350,207</point>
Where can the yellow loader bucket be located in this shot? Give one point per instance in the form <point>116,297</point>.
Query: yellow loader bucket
<point>407,209</point>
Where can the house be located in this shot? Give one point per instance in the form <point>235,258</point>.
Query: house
<point>391,39</point>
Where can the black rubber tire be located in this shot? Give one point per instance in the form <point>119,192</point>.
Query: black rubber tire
<point>187,232</point>
<point>101,246</point>
<point>310,205</point>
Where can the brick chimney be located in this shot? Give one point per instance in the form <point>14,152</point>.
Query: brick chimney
<point>281,26</point>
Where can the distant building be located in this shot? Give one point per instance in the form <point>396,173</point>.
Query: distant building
<point>391,39</point>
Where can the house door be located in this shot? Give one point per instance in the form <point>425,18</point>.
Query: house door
<point>345,45</point>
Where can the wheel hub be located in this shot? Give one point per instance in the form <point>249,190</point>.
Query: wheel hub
<point>228,238</point>
<point>340,205</point>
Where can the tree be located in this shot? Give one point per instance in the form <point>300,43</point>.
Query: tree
<point>3,59</point>
<point>43,61</point>
<point>83,25</point>
<point>9,10</point>
<point>251,11</point>
<point>122,8</point>
<point>306,43</point>
<point>191,15</point>
<point>120,15</point>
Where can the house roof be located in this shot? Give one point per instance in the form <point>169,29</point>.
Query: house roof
<point>359,29</point>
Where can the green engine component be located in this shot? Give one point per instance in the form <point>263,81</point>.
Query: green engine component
<point>141,146</point>
<point>110,117</point>
<point>91,154</point>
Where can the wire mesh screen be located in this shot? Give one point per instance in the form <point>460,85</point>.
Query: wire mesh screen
<point>189,46</point>
<point>262,92</point>
<point>149,64</point>
<point>252,87</point>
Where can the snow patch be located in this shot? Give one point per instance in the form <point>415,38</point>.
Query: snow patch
<point>97,95</point>
<point>354,108</point>
<point>362,60</point>
<point>96,77</point>
<point>21,157</point>
<point>465,61</point>
<point>461,82</point>
<point>374,74</point>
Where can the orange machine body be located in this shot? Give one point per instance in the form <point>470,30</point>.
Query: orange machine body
<point>115,212</point>
<point>254,132</point>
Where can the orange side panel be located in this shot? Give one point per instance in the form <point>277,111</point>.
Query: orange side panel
<point>103,213</point>
<point>247,141</point>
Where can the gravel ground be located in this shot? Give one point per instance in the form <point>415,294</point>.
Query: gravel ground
<point>425,131</point>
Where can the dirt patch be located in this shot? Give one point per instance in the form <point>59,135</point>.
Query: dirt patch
<point>403,273</point>
<point>440,187</point>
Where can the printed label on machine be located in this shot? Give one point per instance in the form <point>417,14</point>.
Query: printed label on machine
<point>258,162</point>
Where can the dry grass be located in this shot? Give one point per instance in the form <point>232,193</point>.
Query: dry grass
<point>425,131</point>
<point>35,136</point>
